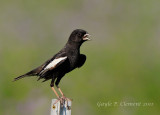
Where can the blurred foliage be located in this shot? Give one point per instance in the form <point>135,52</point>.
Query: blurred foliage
<point>122,58</point>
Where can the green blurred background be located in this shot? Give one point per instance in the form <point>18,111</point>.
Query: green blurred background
<point>123,58</point>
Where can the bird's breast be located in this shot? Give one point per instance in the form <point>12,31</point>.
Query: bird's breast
<point>73,59</point>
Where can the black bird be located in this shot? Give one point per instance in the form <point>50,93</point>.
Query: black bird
<point>66,60</point>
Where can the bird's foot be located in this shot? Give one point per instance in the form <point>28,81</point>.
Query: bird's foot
<point>62,100</point>
<point>65,98</point>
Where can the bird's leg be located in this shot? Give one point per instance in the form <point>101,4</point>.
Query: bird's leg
<point>59,98</point>
<point>60,91</point>
<point>63,97</point>
<point>55,92</point>
<point>52,87</point>
<point>56,95</point>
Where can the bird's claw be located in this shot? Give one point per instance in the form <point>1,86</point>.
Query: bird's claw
<point>62,100</point>
<point>65,98</point>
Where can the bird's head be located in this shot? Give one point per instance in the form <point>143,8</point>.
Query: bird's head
<point>79,36</point>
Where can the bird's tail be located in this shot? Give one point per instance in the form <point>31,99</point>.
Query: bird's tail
<point>31,73</point>
<point>19,77</point>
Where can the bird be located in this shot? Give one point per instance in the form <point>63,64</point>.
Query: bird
<point>66,60</point>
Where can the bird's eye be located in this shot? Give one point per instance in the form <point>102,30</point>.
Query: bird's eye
<point>79,34</point>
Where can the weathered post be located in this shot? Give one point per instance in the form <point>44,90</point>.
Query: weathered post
<point>58,108</point>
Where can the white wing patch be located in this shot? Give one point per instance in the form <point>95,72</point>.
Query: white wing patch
<point>55,62</point>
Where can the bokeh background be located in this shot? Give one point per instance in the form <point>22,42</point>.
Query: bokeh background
<point>123,58</point>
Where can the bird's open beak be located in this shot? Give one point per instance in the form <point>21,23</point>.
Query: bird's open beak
<point>86,37</point>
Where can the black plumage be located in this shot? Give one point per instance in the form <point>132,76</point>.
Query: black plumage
<point>66,60</point>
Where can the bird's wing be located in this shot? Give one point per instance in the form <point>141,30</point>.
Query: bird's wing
<point>50,64</point>
<point>81,60</point>
<point>54,63</point>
